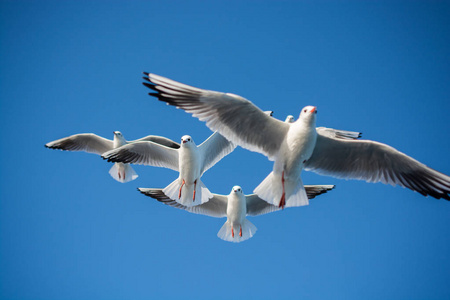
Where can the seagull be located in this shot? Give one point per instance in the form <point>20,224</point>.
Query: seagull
<point>289,119</point>
<point>190,160</point>
<point>92,143</point>
<point>235,206</point>
<point>298,145</point>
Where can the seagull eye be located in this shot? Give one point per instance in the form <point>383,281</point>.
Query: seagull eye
<point>304,110</point>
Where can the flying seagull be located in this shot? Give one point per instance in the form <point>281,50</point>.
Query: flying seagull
<point>298,145</point>
<point>92,143</point>
<point>235,206</point>
<point>190,160</point>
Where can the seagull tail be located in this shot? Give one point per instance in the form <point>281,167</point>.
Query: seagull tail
<point>271,190</point>
<point>248,230</point>
<point>202,194</point>
<point>123,172</point>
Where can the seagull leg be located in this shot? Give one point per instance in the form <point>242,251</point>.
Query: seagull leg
<point>283,196</point>
<point>182,183</point>
<point>118,173</point>
<point>195,187</point>
<point>232,231</point>
<point>240,230</point>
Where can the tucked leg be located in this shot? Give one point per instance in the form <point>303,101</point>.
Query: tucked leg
<point>283,196</point>
<point>195,187</point>
<point>182,183</point>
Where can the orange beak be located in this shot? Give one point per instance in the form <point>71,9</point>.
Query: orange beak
<point>313,110</point>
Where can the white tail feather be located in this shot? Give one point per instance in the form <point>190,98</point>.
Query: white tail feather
<point>123,172</point>
<point>202,194</point>
<point>248,230</point>
<point>271,190</point>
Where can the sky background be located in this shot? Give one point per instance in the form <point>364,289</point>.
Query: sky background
<point>69,231</point>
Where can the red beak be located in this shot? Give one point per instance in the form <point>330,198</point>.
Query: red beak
<point>184,142</point>
<point>313,110</point>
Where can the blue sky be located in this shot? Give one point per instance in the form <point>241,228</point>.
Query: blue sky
<point>69,231</point>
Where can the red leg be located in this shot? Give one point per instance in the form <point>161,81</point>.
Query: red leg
<point>195,187</point>
<point>124,175</point>
<point>232,231</point>
<point>283,196</point>
<point>120,177</point>
<point>182,183</point>
<point>240,230</point>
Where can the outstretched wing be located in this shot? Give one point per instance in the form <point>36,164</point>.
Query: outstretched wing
<point>215,207</point>
<point>145,153</point>
<point>375,162</point>
<point>159,140</point>
<point>234,117</point>
<point>87,142</point>
<point>214,149</point>
<point>338,134</point>
<point>256,206</point>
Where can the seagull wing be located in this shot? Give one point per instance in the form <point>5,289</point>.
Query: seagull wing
<point>338,134</point>
<point>236,118</point>
<point>313,191</point>
<point>87,142</point>
<point>375,162</point>
<point>256,206</point>
<point>145,153</point>
<point>159,140</point>
<point>214,149</point>
<point>215,207</point>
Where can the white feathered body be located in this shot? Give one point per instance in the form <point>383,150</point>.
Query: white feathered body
<point>120,171</point>
<point>237,228</point>
<point>296,148</point>
<point>236,209</point>
<point>190,168</point>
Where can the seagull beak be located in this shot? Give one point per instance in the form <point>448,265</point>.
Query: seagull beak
<point>183,142</point>
<point>313,109</point>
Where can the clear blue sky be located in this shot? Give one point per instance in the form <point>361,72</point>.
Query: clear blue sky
<point>69,231</point>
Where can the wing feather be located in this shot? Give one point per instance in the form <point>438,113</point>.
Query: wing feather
<point>234,117</point>
<point>145,153</point>
<point>375,162</point>
<point>215,207</point>
<point>87,142</point>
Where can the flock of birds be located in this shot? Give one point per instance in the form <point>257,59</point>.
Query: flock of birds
<point>291,145</point>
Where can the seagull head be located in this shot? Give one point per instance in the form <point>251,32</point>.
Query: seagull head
<point>117,133</point>
<point>289,119</point>
<point>186,140</point>
<point>237,189</point>
<point>308,115</point>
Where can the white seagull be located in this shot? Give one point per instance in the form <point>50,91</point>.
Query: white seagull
<point>235,206</point>
<point>289,119</point>
<point>92,143</point>
<point>298,145</point>
<point>190,160</point>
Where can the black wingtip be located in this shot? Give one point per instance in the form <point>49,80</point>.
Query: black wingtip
<point>146,78</point>
<point>146,73</point>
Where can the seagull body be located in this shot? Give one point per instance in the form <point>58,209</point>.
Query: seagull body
<point>295,146</point>
<point>92,143</point>
<point>190,160</point>
<point>235,206</point>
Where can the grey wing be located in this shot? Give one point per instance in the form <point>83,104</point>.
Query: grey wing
<point>87,142</point>
<point>159,140</point>
<point>215,207</point>
<point>145,153</point>
<point>236,118</point>
<point>315,190</point>
<point>214,149</point>
<point>338,134</point>
<point>257,206</point>
<point>375,162</point>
